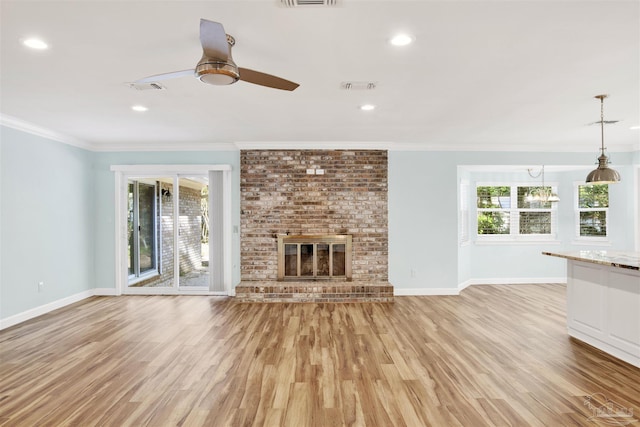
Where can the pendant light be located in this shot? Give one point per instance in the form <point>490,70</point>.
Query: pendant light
<point>603,174</point>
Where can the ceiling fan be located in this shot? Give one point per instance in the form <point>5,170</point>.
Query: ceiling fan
<point>216,67</point>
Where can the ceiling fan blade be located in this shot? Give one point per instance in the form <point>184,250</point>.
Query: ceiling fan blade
<point>263,79</point>
<point>166,76</point>
<point>214,40</point>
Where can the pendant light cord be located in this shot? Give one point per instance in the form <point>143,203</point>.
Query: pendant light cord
<point>602,121</point>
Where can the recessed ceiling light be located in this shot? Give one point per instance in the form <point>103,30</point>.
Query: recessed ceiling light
<point>634,127</point>
<point>401,40</point>
<point>34,43</point>
<point>367,107</point>
<point>140,108</point>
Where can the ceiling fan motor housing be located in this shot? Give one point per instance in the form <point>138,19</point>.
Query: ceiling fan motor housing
<point>215,72</point>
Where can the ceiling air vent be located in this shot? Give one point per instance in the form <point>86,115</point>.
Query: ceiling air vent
<point>358,85</point>
<point>146,86</point>
<point>305,3</point>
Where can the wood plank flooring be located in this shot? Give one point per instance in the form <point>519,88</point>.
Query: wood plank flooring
<point>493,356</point>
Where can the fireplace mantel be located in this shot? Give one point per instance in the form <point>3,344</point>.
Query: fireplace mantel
<point>314,257</point>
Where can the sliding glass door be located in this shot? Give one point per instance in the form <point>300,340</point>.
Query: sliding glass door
<point>174,233</point>
<point>193,232</point>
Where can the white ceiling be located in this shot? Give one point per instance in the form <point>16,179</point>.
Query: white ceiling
<point>486,75</point>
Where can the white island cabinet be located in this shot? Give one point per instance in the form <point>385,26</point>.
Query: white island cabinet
<point>603,300</point>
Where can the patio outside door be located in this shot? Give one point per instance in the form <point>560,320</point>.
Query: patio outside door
<point>171,244</point>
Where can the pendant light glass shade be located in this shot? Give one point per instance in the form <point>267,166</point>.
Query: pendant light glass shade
<point>603,174</point>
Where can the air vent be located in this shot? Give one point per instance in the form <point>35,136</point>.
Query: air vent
<point>306,3</point>
<point>146,86</point>
<point>358,85</point>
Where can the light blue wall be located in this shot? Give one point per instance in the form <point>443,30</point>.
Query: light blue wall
<point>105,199</point>
<point>423,221</point>
<point>57,217</point>
<point>46,222</point>
<point>423,229</point>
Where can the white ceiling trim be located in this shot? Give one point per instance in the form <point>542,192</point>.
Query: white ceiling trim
<point>170,146</point>
<point>30,128</point>
<point>559,148</point>
<point>314,145</point>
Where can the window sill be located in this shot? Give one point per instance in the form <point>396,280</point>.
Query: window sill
<point>517,242</point>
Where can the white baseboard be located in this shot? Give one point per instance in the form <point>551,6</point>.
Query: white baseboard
<point>403,292</point>
<point>513,281</point>
<point>462,286</point>
<point>44,309</point>
<point>106,292</point>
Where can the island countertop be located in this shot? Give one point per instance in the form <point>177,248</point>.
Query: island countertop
<point>620,259</point>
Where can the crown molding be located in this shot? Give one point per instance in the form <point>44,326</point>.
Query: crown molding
<point>24,126</point>
<point>162,146</point>
<point>313,145</point>
<point>556,148</point>
<point>30,128</point>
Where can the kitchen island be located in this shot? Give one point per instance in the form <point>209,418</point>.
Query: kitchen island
<point>603,300</point>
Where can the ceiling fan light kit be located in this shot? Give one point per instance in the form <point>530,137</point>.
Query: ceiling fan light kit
<point>217,73</point>
<point>603,174</point>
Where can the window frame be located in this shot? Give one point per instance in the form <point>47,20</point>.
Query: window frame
<point>514,235</point>
<point>463,212</point>
<point>138,275</point>
<point>579,239</point>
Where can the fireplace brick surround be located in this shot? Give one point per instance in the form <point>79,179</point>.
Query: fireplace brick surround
<point>313,192</point>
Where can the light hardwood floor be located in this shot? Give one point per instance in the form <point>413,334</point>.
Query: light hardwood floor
<point>495,355</point>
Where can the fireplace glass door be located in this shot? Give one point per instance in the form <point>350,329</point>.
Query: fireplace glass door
<point>303,258</point>
<point>291,260</point>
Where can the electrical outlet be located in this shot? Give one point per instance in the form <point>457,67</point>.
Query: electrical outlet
<point>40,286</point>
<point>413,272</point>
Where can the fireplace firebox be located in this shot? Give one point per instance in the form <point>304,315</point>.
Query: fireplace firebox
<point>314,257</point>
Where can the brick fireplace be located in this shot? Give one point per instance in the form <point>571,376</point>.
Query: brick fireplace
<point>314,193</point>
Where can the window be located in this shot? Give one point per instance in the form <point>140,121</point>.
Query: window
<point>592,209</point>
<point>142,241</point>
<point>512,212</point>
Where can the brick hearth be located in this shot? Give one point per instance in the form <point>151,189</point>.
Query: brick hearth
<point>313,292</point>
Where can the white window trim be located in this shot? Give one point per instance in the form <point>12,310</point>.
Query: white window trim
<point>463,211</point>
<point>587,240</point>
<point>515,237</point>
<point>133,279</point>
